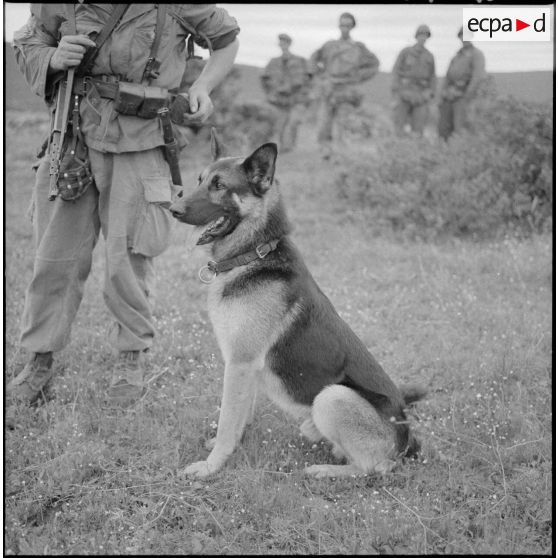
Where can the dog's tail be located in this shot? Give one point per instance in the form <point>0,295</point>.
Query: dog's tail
<point>412,393</point>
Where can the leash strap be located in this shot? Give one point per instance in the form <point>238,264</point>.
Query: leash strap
<point>258,253</point>
<point>87,63</point>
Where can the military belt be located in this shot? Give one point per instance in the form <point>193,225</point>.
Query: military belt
<point>460,83</point>
<point>415,81</point>
<point>132,99</point>
<point>107,86</point>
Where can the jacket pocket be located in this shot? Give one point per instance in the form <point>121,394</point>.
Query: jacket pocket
<point>91,107</point>
<point>154,221</point>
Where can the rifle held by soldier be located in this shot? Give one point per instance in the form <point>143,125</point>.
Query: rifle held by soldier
<point>58,133</point>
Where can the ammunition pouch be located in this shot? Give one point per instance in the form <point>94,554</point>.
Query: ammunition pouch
<point>134,99</point>
<point>75,177</point>
<point>70,169</point>
<point>178,108</point>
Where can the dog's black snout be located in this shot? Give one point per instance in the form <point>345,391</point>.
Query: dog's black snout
<point>176,209</point>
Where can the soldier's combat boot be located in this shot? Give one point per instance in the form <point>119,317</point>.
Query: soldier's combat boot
<point>127,385</point>
<point>28,385</point>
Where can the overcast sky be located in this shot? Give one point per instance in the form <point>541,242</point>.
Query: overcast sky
<point>385,29</point>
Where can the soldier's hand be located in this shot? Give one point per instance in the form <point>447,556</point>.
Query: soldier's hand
<point>200,105</point>
<point>69,52</point>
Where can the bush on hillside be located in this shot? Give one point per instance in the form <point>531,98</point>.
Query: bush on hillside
<point>494,178</point>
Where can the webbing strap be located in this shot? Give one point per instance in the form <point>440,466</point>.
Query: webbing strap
<point>193,32</point>
<point>87,63</point>
<point>71,15</point>
<point>152,67</point>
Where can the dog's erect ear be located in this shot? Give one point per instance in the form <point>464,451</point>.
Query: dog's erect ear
<point>260,167</point>
<point>218,150</point>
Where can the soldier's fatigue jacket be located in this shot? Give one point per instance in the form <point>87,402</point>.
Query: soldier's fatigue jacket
<point>465,73</point>
<point>414,75</point>
<point>133,188</point>
<point>344,64</point>
<point>286,80</point>
<point>124,54</point>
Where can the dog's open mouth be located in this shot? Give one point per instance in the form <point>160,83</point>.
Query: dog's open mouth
<point>218,228</point>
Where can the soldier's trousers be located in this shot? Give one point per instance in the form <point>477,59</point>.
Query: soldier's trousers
<point>328,114</point>
<point>415,115</point>
<point>128,205</point>
<point>453,117</point>
<point>287,124</point>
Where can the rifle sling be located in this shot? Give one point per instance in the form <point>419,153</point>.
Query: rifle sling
<point>86,64</point>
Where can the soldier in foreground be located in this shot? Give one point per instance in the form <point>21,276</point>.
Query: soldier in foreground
<point>110,89</point>
<point>465,73</point>
<point>342,64</point>
<point>414,84</point>
<point>286,82</point>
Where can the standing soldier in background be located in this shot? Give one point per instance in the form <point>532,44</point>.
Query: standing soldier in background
<point>343,64</point>
<point>466,71</point>
<point>414,84</point>
<point>118,67</point>
<point>286,82</point>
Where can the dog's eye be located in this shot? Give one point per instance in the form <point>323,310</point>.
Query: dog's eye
<point>219,186</point>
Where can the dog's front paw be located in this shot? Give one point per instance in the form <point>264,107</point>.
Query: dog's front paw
<point>199,469</point>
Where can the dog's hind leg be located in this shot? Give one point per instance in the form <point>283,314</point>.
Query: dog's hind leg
<point>356,430</point>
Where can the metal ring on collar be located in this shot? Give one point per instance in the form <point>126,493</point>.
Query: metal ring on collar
<point>203,272</point>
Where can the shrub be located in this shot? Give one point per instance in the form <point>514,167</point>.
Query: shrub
<point>493,178</point>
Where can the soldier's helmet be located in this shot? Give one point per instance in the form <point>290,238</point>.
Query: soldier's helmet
<point>423,29</point>
<point>285,37</point>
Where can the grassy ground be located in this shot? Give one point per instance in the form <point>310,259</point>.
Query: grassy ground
<point>472,321</point>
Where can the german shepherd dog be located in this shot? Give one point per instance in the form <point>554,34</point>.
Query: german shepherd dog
<point>279,332</point>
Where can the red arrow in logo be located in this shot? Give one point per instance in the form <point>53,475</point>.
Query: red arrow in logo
<point>519,25</point>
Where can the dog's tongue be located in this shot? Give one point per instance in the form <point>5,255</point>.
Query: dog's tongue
<point>206,238</point>
<point>213,231</point>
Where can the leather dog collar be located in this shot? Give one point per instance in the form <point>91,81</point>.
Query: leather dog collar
<point>208,272</point>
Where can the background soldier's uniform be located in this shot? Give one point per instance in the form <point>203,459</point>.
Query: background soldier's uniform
<point>133,185</point>
<point>414,85</point>
<point>286,82</point>
<point>466,71</point>
<point>344,63</point>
